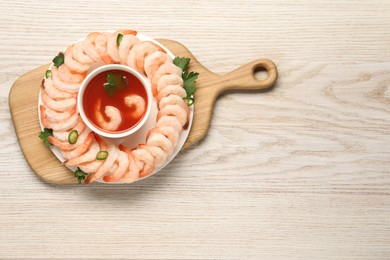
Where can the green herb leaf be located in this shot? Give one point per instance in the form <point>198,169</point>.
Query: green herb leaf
<point>109,86</point>
<point>110,89</point>
<point>114,83</point>
<point>189,79</point>
<point>182,63</point>
<point>80,175</point>
<point>59,59</point>
<point>110,79</point>
<point>119,39</point>
<point>45,134</point>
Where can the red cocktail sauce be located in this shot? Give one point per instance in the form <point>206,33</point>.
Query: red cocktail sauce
<point>95,90</point>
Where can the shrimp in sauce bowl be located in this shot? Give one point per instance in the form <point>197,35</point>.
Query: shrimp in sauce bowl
<point>104,101</point>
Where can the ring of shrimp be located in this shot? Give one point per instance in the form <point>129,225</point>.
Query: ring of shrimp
<point>59,98</point>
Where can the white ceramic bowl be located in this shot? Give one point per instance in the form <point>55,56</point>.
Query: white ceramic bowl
<point>90,76</point>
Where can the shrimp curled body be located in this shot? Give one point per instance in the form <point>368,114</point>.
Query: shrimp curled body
<point>114,115</point>
<point>136,104</point>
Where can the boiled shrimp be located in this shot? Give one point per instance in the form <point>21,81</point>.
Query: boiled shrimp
<point>160,140</point>
<point>58,126</point>
<point>132,173</point>
<point>79,54</point>
<point>112,46</point>
<point>72,64</point>
<point>56,117</point>
<point>141,157</point>
<point>112,169</point>
<point>66,75</point>
<point>144,161</point>
<point>94,165</point>
<point>173,100</point>
<point>58,105</point>
<point>147,170</point>
<point>131,57</point>
<point>128,42</point>
<point>136,104</point>
<point>65,145</point>
<point>89,167</point>
<point>169,79</point>
<point>81,149</point>
<point>114,115</point>
<point>154,61</point>
<point>89,156</point>
<point>63,135</point>
<point>165,69</point>
<point>101,47</point>
<point>89,46</point>
<point>174,110</point>
<point>54,92</point>
<point>167,131</point>
<point>169,121</point>
<point>143,50</point>
<point>159,155</point>
<point>123,165</point>
<point>108,162</point>
<point>171,89</point>
<point>64,86</point>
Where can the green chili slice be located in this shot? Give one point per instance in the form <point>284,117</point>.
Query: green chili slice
<point>119,39</point>
<point>73,136</point>
<point>48,74</point>
<point>101,155</point>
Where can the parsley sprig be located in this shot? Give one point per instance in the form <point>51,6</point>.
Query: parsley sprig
<point>80,175</point>
<point>45,134</point>
<point>189,78</point>
<point>110,86</point>
<point>115,82</point>
<point>182,63</point>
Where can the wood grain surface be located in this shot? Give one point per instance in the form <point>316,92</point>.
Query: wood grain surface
<point>298,172</point>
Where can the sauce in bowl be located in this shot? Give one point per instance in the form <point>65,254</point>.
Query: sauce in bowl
<point>128,85</point>
<point>114,100</point>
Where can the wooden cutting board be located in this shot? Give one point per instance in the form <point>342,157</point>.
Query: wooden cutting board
<point>23,102</point>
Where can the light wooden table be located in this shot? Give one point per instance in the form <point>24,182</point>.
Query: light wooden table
<point>302,171</point>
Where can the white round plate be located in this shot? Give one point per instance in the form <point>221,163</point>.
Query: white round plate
<point>140,136</point>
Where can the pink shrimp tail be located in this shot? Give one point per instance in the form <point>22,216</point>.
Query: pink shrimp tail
<point>107,59</point>
<point>154,90</point>
<point>89,179</point>
<point>54,141</point>
<point>148,169</point>
<point>110,178</point>
<point>127,32</point>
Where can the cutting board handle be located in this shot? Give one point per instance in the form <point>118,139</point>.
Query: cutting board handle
<point>210,85</point>
<point>243,78</point>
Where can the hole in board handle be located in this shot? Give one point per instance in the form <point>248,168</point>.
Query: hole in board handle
<point>260,73</point>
